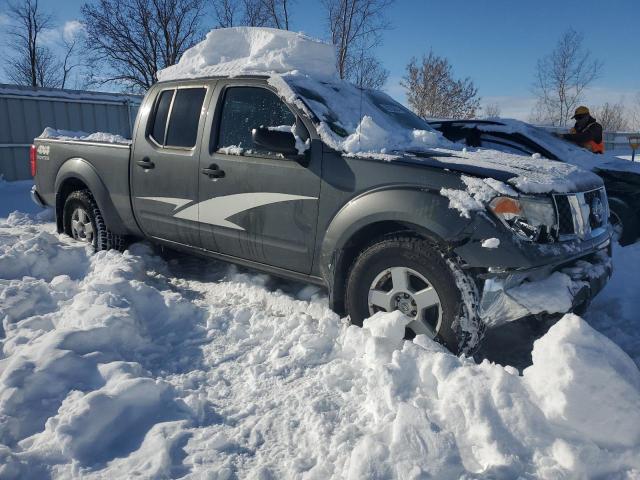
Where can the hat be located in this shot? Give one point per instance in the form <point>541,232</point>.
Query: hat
<point>581,111</point>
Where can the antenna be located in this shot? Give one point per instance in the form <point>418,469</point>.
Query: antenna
<point>361,93</point>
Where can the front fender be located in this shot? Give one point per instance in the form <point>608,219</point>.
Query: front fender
<point>80,169</point>
<point>425,211</point>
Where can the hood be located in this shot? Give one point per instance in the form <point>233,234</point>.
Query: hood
<point>527,175</point>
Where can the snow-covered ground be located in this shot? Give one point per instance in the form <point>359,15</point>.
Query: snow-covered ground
<point>163,366</point>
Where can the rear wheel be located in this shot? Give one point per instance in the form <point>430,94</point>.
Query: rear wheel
<point>411,275</point>
<point>624,221</point>
<point>83,222</point>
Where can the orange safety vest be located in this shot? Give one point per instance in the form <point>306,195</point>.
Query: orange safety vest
<point>591,145</point>
<point>594,147</point>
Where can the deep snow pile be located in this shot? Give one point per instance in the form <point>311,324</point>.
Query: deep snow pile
<point>51,133</point>
<point>116,365</point>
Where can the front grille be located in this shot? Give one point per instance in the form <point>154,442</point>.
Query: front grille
<point>565,217</point>
<point>581,215</point>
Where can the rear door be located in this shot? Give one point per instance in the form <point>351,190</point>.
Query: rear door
<point>254,204</point>
<point>164,164</point>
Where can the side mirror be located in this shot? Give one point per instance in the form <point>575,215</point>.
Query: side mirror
<point>275,141</point>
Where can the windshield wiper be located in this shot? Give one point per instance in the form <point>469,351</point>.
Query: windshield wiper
<point>425,153</point>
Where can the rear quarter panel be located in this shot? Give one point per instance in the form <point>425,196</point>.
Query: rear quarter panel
<point>102,167</point>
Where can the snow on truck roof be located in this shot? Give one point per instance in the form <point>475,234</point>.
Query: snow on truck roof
<point>248,50</point>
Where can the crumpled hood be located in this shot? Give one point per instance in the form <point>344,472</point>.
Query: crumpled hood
<point>533,175</point>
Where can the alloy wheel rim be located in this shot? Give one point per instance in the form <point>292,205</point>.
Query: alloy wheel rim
<point>81,226</point>
<point>404,289</point>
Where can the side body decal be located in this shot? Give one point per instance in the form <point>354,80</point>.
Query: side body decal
<point>216,210</point>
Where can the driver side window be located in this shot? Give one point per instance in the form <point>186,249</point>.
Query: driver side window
<point>246,108</point>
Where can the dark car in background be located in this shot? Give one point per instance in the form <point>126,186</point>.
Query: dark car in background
<point>621,177</point>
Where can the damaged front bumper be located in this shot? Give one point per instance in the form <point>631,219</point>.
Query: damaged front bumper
<point>548,290</point>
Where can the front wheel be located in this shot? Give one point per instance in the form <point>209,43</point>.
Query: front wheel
<point>83,222</point>
<point>412,275</point>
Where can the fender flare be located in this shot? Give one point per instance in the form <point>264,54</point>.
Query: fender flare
<point>429,215</point>
<point>80,169</point>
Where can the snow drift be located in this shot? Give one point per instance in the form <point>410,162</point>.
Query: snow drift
<point>116,365</point>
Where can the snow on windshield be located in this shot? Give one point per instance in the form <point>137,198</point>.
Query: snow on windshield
<point>356,120</point>
<point>247,50</point>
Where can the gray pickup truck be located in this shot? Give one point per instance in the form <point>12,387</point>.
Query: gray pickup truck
<point>452,238</point>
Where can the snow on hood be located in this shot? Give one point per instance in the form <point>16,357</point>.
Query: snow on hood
<point>529,175</point>
<point>251,50</point>
<point>52,133</point>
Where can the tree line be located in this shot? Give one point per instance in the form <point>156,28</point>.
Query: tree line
<point>124,43</point>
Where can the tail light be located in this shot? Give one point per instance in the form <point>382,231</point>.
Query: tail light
<point>33,160</point>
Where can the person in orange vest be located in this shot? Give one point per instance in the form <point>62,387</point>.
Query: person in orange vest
<point>587,132</point>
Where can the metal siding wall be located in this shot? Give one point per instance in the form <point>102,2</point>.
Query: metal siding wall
<point>22,119</point>
<point>5,134</point>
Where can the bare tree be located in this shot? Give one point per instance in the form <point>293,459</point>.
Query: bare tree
<point>278,12</point>
<point>356,26</point>
<point>32,63</point>
<point>635,115</point>
<point>136,38</point>
<point>368,72</point>
<point>562,77</point>
<point>69,61</point>
<point>612,117</point>
<point>226,12</point>
<point>253,13</point>
<point>433,92</point>
<point>492,110</point>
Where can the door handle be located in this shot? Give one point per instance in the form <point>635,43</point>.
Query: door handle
<point>213,172</point>
<point>146,163</point>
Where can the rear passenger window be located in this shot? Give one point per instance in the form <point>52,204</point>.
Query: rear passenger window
<point>185,116</point>
<point>160,116</point>
<point>246,108</point>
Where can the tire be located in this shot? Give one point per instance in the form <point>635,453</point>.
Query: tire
<point>453,321</point>
<point>624,218</point>
<point>83,221</point>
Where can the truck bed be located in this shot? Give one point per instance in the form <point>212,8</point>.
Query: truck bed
<point>103,167</point>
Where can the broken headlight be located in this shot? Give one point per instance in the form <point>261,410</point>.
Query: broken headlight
<point>530,218</point>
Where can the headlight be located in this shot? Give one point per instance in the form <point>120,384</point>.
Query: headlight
<point>530,218</point>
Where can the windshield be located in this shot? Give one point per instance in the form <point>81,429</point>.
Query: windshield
<point>550,141</point>
<point>359,120</point>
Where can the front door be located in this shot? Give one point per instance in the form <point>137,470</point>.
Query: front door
<point>164,166</point>
<point>254,204</point>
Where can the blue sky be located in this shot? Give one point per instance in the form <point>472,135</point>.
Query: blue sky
<point>495,42</point>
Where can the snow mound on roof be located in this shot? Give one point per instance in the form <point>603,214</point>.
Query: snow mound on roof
<point>252,50</point>
<point>52,133</point>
